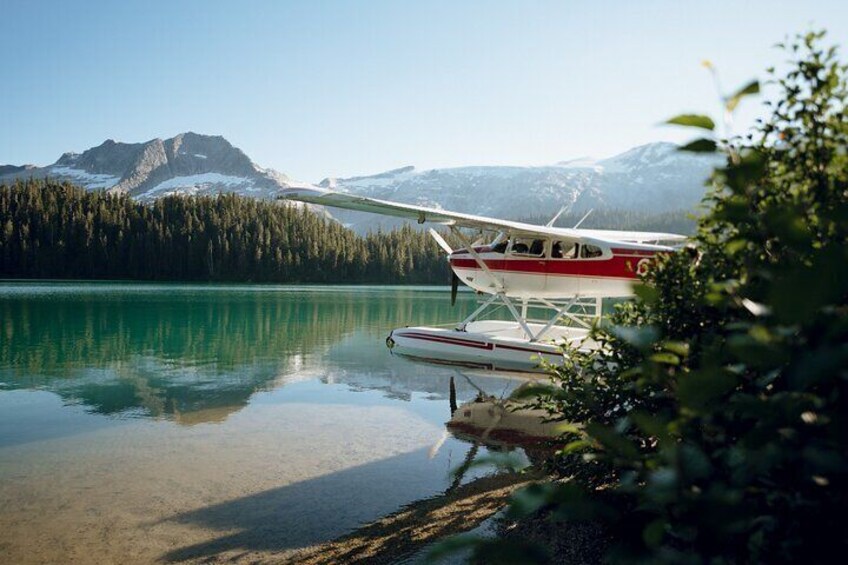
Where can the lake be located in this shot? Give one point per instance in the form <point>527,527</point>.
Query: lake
<point>150,422</point>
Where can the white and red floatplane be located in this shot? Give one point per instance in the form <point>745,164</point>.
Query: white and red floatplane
<point>560,275</point>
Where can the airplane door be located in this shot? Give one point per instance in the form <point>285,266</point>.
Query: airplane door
<point>563,270</point>
<point>524,266</point>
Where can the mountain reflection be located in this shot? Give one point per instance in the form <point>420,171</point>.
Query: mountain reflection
<point>197,354</point>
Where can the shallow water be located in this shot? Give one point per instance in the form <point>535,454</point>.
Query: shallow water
<point>143,422</point>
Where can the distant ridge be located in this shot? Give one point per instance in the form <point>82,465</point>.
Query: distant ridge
<point>14,169</point>
<point>651,178</point>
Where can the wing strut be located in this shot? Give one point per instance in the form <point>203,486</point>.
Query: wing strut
<point>470,248</point>
<point>441,241</point>
<point>577,225</point>
<point>557,215</point>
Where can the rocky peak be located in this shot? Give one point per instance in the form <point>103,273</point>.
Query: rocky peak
<point>188,163</point>
<point>191,153</point>
<point>108,158</point>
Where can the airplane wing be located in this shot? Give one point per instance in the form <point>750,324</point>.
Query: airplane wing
<point>632,236</point>
<point>422,214</point>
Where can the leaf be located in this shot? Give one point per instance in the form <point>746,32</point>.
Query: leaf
<point>754,352</point>
<point>701,145</point>
<point>692,121</point>
<point>665,358</point>
<point>640,337</point>
<point>568,428</point>
<point>654,532</point>
<point>650,425</point>
<point>694,462</point>
<point>577,445</point>
<point>732,102</point>
<point>698,389</point>
<point>680,348</point>
<point>751,168</point>
<point>735,245</point>
<point>817,366</point>
<point>532,391</point>
<point>800,293</point>
<point>647,294</point>
<point>613,441</point>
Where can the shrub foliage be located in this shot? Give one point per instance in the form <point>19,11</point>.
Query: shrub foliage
<point>715,415</point>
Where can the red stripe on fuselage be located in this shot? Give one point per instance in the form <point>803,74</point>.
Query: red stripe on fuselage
<point>619,266</point>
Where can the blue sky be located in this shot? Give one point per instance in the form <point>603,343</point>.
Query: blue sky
<point>338,88</point>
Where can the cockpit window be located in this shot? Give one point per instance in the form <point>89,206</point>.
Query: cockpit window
<point>589,251</point>
<point>500,247</point>
<point>563,250</point>
<point>526,246</point>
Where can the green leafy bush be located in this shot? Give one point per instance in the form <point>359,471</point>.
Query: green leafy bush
<point>715,414</point>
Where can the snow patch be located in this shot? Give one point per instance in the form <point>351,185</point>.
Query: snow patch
<point>88,180</point>
<point>582,163</point>
<point>192,184</point>
<point>382,180</point>
<point>200,156</point>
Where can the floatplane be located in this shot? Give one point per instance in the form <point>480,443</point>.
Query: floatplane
<point>550,281</point>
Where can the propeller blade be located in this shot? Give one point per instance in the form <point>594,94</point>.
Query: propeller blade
<point>454,287</point>
<point>441,241</point>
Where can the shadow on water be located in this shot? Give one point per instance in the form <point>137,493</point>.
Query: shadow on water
<point>318,510</point>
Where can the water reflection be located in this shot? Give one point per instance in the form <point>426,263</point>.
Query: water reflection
<point>198,353</point>
<point>318,428</point>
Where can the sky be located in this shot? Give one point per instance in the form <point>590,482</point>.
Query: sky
<point>341,88</point>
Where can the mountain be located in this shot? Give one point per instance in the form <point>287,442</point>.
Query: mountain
<point>188,163</point>
<point>649,178</point>
<point>14,169</point>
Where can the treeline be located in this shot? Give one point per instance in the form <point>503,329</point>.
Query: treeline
<point>55,230</point>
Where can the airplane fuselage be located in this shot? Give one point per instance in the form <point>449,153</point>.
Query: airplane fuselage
<point>546,270</point>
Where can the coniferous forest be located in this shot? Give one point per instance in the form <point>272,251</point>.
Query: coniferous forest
<point>55,230</point>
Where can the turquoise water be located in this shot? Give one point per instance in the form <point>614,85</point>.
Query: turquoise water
<point>145,422</point>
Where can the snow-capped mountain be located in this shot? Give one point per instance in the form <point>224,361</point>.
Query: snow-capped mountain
<point>651,178</point>
<point>189,163</point>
